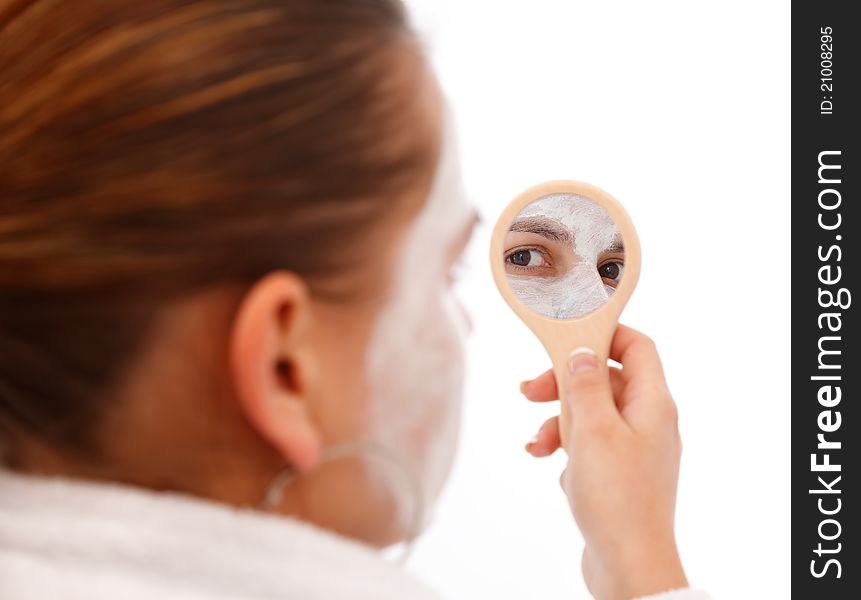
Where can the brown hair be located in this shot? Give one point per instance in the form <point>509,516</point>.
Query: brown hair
<point>153,148</point>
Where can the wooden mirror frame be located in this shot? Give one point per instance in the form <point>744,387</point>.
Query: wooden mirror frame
<point>594,330</point>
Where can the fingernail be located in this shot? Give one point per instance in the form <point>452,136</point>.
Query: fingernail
<point>533,449</point>
<point>524,386</point>
<point>536,450</point>
<point>581,359</point>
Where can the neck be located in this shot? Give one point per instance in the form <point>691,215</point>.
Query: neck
<point>215,476</point>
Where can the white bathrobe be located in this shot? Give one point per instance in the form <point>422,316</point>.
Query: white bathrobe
<point>70,539</point>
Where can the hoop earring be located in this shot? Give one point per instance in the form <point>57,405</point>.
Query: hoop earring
<point>275,490</point>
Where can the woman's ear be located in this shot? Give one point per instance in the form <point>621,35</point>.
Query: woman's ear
<point>271,363</point>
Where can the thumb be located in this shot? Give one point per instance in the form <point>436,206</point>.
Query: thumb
<point>587,391</point>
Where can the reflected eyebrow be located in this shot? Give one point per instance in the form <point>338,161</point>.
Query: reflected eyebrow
<point>618,246</point>
<point>544,227</point>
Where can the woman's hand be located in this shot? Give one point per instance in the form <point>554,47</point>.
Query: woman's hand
<point>623,466</point>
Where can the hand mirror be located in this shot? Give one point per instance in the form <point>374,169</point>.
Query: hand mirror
<point>565,256</point>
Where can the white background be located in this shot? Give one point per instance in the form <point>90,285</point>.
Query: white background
<point>681,111</point>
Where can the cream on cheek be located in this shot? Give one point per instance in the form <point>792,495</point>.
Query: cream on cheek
<point>580,290</point>
<point>415,356</point>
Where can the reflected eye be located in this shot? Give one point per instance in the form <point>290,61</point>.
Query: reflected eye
<point>527,258</point>
<point>612,269</point>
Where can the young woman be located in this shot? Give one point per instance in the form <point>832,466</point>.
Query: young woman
<point>226,235</point>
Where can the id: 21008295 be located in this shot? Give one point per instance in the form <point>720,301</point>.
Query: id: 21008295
<point>826,54</point>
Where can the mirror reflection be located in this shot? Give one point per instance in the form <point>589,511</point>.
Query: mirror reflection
<point>564,256</point>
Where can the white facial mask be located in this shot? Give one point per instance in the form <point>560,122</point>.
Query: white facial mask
<point>581,289</point>
<point>415,357</point>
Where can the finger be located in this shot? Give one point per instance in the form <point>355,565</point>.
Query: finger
<point>617,384</point>
<point>646,393</point>
<point>636,350</point>
<point>547,440</point>
<point>540,389</point>
<point>543,387</point>
<point>587,392</point>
